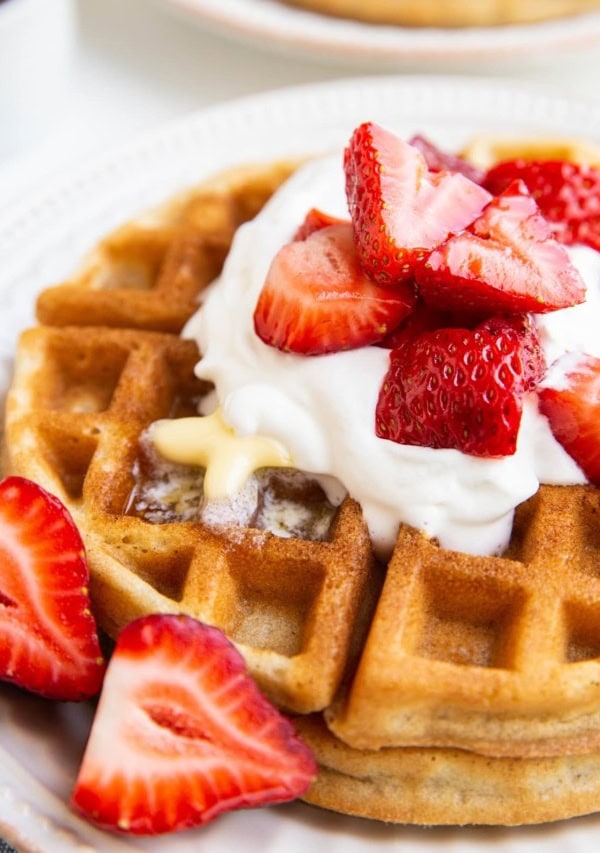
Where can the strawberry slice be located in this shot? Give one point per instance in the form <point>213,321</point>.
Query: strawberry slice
<point>48,638</point>
<point>314,220</point>
<point>506,261</point>
<point>399,208</point>
<point>568,194</point>
<point>456,388</point>
<point>182,734</point>
<point>439,160</point>
<point>572,406</point>
<point>316,298</point>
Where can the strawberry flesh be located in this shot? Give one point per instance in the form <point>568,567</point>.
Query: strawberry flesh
<point>456,388</point>
<point>48,638</point>
<point>400,209</point>
<point>439,160</point>
<point>316,298</point>
<point>572,408</point>
<point>182,734</point>
<point>568,195</point>
<point>506,261</point>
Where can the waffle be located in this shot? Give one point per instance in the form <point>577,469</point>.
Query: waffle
<point>500,655</point>
<point>447,786</point>
<point>76,417</point>
<point>451,13</point>
<point>443,688</point>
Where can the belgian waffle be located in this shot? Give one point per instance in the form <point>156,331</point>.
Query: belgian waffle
<point>453,660</point>
<point>451,13</point>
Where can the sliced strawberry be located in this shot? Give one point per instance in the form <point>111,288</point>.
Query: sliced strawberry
<point>314,220</point>
<point>455,388</point>
<point>567,194</point>
<point>506,260</point>
<point>316,298</point>
<point>399,208</point>
<point>183,734</point>
<point>572,406</point>
<point>439,160</point>
<point>48,638</point>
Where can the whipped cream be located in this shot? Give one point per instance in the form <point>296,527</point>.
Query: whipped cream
<point>322,408</point>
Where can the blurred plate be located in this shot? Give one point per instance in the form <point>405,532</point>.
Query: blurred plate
<point>272,24</point>
<point>41,241</point>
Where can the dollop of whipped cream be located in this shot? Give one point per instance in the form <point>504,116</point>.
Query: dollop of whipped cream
<point>322,408</point>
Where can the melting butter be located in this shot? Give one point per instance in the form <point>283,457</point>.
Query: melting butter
<point>210,443</point>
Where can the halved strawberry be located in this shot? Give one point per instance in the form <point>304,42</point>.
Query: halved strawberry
<point>48,638</point>
<point>506,261</point>
<point>182,734</point>
<point>316,298</point>
<point>572,406</point>
<point>314,220</point>
<point>399,208</point>
<point>455,388</point>
<point>439,160</point>
<point>568,194</point>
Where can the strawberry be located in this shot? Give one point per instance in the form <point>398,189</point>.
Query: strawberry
<point>314,220</point>
<point>439,160</point>
<point>522,328</point>
<point>182,734</point>
<point>506,261</point>
<point>572,407</point>
<point>400,209</point>
<point>48,639</point>
<point>316,298</point>
<point>567,194</point>
<point>455,388</point>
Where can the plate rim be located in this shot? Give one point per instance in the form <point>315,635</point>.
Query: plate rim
<point>308,33</point>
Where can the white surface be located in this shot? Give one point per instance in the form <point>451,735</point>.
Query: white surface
<point>36,40</point>
<point>41,743</point>
<point>289,28</point>
<point>136,65</point>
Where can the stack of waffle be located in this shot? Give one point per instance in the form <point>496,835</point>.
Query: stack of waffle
<point>441,689</point>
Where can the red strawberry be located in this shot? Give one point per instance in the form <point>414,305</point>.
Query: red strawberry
<point>455,388</point>
<point>316,298</point>
<point>505,261</point>
<point>399,208</point>
<point>439,160</point>
<point>48,639</point>
<point>522,328</point>
<point>183,734</point>
<point>573,409</point>
<point>314,220</point>
<point>567,194</point>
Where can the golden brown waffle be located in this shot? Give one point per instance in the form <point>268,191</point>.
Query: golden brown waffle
<point>448,786</point>
<point>449,13</point>
<point>499,654</point>
<point>75,415</point>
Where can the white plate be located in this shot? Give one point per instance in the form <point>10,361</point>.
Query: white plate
<point>272,24</point>
<point>41,743</point>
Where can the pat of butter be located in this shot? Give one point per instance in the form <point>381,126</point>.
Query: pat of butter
<point>210,443</point>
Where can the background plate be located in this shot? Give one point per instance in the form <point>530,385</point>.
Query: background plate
<point>273,25</point>
<point>41,743</point>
